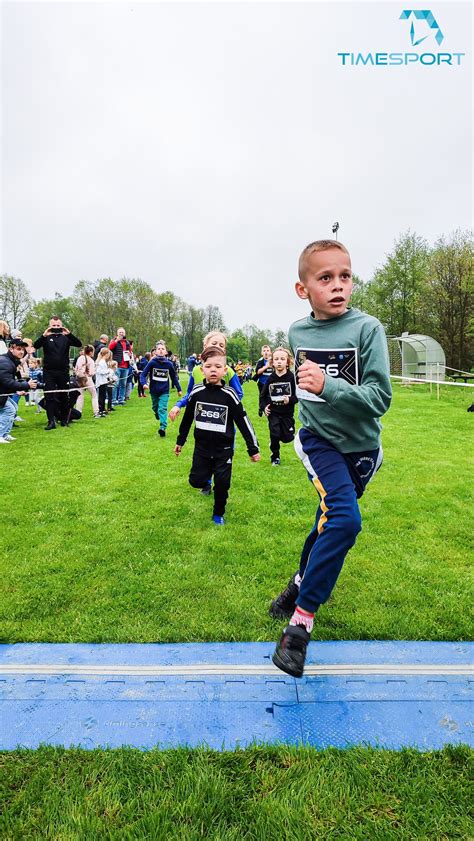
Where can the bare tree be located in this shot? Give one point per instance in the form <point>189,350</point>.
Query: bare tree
<point>15,301</point>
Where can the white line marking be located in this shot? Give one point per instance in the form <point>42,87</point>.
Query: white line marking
<point>236,669</point>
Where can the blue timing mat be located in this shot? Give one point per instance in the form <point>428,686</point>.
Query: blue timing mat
<point>228,695</point>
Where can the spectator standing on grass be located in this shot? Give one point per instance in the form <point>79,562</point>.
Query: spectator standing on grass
<point>35,373</point>
<point>191,363</point>
<point>85,371</point>
<point>343,380</point>
<point>122,355</point>
<point>102,377</point>
<point>113,379</point>
<point>142,362</point>
<point>56,342</point>
<point>99,344</point>
<point>4,334</point>
<point>10,385</point>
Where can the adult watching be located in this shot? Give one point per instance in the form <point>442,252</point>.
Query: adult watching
<point>56,341</point>
<point>99,344</point>
<point>122,354</point>
<point>9,384</point>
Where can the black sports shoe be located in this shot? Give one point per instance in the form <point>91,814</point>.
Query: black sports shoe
<point>50,425</point>
<point>161,433</point>
<point>206,490</point>
<point>290,652</point>
<point>284,605</point>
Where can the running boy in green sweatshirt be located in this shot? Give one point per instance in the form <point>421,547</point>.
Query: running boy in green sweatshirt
<point>343,388</point>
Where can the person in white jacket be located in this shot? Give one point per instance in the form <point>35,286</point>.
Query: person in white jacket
<point>85,367</point>
<point>103,377</point>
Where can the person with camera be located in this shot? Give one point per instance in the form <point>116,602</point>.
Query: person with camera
<point>56,341</point>
<point>122,354</point>
<point>10,385</point>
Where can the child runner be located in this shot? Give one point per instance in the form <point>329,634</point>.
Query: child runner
<point>279,398</point>
<point>263,369</point>
<point>214,407</point>
<point>161,371</point>
<point>343,385</point>
<point>102,377</point>
<point>214,339</point>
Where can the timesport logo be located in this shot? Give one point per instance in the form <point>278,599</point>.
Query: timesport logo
<point>423,27</point>
<point>426,16</point>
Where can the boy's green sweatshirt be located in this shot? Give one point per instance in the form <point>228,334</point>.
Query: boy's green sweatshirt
<point>352,350</point>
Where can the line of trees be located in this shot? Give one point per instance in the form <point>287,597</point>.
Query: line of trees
<point>427,290</point>
<point>418,289</point>
<point>105,304</point>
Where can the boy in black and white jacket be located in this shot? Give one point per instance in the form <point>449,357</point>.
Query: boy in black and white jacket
<point>214,408</point>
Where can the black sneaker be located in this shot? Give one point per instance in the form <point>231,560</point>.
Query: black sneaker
<point>206,490</point>
<point>284,605</point>
<point>51,425</point>
<point>290,652</point>
<point>161,433</point>
<point>275,462</point>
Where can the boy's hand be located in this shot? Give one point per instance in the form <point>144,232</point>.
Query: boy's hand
<point>311,377</point>
<point>177,450</point>
<point>286,400</point>
<point>180,394</point>
<point>267,410</point>
<point>174,412</point>
<point>256,457</point>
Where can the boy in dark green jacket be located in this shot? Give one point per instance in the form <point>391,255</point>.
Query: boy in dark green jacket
<point>343,388</point>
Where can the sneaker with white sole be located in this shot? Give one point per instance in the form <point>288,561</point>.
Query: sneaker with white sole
<point>290,653</point>
<point>9,437</point>
<point>4,440</point>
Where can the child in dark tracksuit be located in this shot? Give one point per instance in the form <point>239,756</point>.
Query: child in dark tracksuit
<point>279,398</point>
<point>160,370</point>
<point>343,387</point>
<point>215,408</point>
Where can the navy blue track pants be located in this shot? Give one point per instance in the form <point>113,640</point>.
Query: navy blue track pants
<point>340,480</point>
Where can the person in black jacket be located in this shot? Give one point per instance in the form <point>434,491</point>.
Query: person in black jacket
<point>9,384</point>
<point>279,399</point>
<point>56,341</point>
<point>215,407</point>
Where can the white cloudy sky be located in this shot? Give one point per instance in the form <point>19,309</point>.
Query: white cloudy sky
<point>200,146</point>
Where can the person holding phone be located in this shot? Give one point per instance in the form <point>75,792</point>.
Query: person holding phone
<point>55,342</point>
<point>122,354</point>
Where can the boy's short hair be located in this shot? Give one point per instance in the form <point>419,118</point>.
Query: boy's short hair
<point>317,245</point>
<point>209,352</point>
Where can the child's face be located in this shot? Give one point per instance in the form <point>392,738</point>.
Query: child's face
<point>160,350</point>
<point>266,352</point>
<point>217,341</point>
<point>214,369</point>
<point>327,283</point>
<point>280,361</point>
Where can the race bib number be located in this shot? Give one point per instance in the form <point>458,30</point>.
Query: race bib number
<point>159,375</point>
<point>278,391</point>
<point>126,356</point>
<point>211,416</point>
<point>340,363</point>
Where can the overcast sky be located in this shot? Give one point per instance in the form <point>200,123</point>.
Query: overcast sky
<point>201,146</point>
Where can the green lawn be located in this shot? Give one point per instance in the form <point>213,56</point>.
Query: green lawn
<point>104,540</point>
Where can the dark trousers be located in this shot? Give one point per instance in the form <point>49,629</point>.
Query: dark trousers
<point>340,480</point>
<point>102,395</point>
<point>56,380</point>
<point>110,396</point>
<point>261,403</point>
<point>282,429</point>
<point>218,465</point>
<point>141,388</point>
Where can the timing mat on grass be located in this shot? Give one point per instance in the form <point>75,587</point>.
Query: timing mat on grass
<point>229,695</point>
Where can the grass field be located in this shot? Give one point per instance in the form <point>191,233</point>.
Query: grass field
<point>104,540</point>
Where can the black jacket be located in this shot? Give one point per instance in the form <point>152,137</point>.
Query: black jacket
<point>214,409</point>
<point>8,381</point>
<point>277,387</point>
<point>56,350</point>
